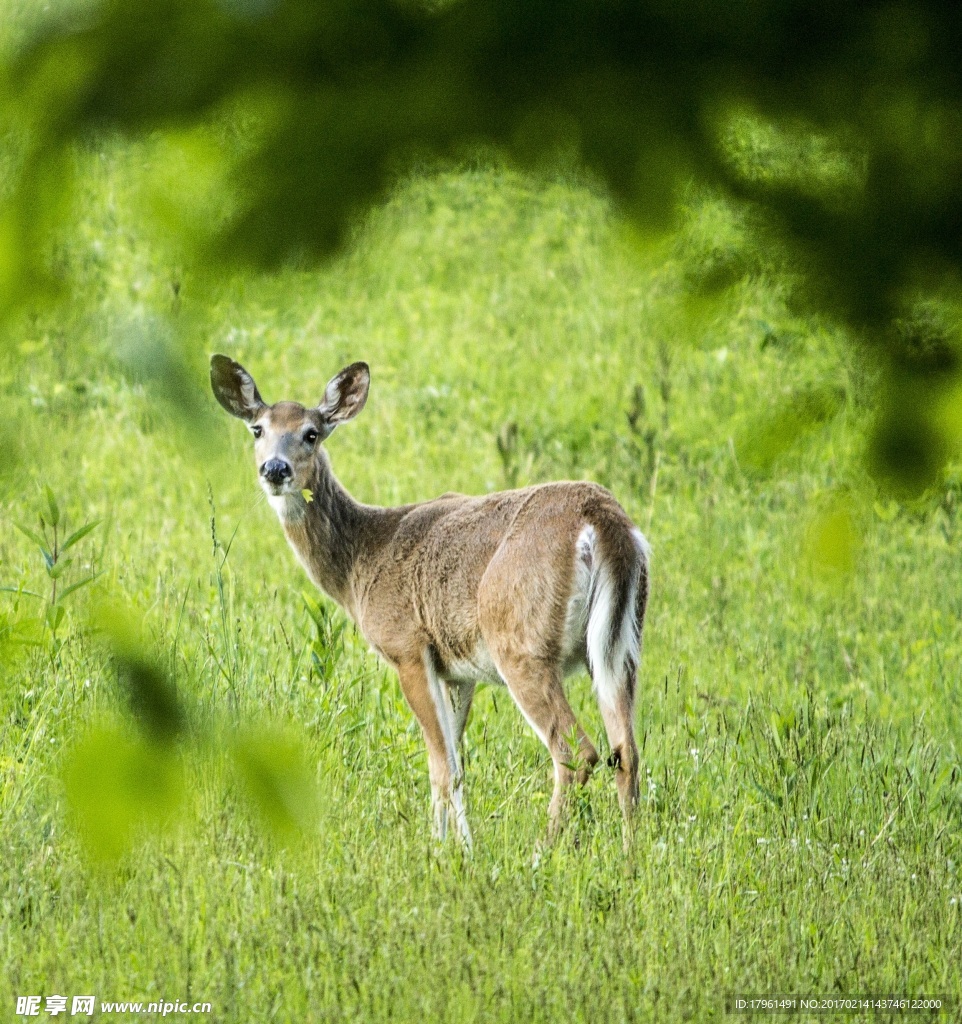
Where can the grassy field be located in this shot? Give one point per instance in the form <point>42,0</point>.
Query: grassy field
<point>800,709</point>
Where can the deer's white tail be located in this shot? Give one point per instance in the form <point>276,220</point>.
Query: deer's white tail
<point>618,592</point>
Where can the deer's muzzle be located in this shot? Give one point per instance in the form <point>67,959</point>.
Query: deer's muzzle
<point>276,471</point>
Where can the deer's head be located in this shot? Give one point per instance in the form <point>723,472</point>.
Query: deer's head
<point>287,435</point>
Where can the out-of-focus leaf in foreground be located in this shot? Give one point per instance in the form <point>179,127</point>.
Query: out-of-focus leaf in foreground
<point>764,440</point>
<point>118,784</point>
<point>120,781</point>
<point>840,125</point>
<point>832,541</point>
<point>920,424</point>
<point>278,779</point>
<point>150,692</point>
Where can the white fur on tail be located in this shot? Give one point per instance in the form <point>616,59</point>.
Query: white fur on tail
<point>613,647</point>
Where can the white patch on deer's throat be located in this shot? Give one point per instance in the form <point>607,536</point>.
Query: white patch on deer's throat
<point>289,507</point>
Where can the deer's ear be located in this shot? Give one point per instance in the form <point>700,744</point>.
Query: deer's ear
<point>345,395</point>
<point>234,388</point>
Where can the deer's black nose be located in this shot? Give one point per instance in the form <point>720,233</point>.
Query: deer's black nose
<point>276,471</point>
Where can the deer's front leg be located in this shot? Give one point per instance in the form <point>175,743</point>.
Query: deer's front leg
<point>431,703</point>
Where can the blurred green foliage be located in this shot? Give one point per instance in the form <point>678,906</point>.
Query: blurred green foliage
<point>833,539</point>
<point>123,782</point>
<point>150,693</point>
<point>117,785</point>
<point>274,767</point>
<point>838,125</point>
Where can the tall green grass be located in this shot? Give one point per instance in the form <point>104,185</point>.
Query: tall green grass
<point>799,701</point>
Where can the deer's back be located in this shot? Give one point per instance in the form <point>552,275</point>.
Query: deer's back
<point>421,588</point>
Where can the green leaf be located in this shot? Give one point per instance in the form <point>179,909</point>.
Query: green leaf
<point>20,590</point>
<point>313,609</point>
<point>57,570</point>
<point>55,614</point>
<point>80,583</point>
<point>833,539</point>
<point>79,534</point>
<point>53,509</point>
<point>35,537</point>
<point>26,632</point>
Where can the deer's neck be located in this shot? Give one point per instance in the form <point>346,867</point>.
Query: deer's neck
<point>328,530</point>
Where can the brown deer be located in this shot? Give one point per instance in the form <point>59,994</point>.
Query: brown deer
<point>519,587</point>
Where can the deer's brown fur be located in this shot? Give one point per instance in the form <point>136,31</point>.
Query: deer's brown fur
<point>518,587</point>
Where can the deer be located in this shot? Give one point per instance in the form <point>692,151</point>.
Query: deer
<point>520,588</point>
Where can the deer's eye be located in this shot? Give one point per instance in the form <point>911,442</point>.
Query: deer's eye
<point>310,437</point>
<point>257,431</point>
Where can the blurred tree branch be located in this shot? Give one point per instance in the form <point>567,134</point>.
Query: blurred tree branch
<point>343,94</point>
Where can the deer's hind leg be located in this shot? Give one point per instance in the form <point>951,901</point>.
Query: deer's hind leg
<point>619,724</point>
<point>522,605</point>
<point>616,698</point>
<point>537,690</point>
